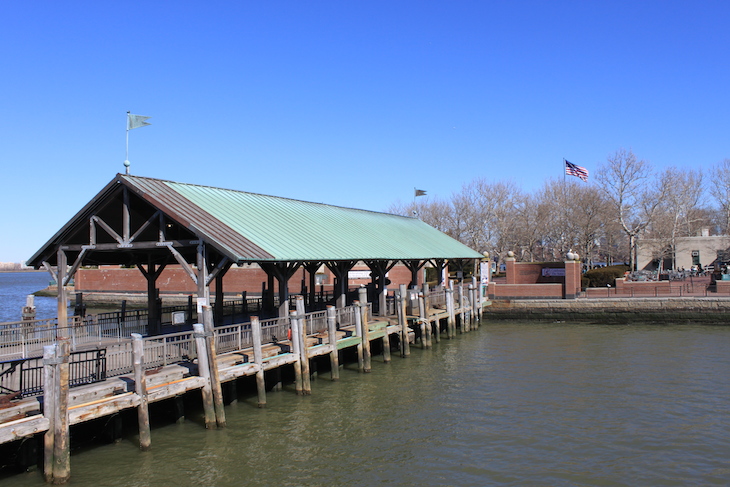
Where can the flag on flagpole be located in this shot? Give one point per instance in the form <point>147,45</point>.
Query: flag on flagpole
<point>419,192</point>
<point>575,170</point>
<point>136,121</point>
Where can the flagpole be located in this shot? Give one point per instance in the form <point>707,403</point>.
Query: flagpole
<point>126,153</point>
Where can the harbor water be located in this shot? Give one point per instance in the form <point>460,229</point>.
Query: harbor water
<point>15,286</point>
<point>512,403</point>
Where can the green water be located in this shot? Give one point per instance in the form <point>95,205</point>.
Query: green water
<point>514,403</point>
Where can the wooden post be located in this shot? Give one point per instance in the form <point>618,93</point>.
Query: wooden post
<point>28,313</point>
<point>140,388</point>
<point>332,339</point>
<point>367,356</point>
<point>179,409</point>
<point>462,308</point>
<point>451,319</point>
<point>50,368</point>
<point>306,374</point>
<point>358,332</point>
<point>204,372</point>
<point>62,446</point>
<point>473,291</point>
<point>258,358</point>
<point>215,382</point>
<point>295,338</point>
<point>403,319</point>
<point>386,346</point>
<point>425,324</point>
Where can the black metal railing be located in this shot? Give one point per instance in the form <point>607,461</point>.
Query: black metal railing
<point>24,377</point>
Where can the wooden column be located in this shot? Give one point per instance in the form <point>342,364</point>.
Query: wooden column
<point>462,308</point>
<point>51,361</point>
<point>258,358</point>
<point>367,356</point>
<point>358,333</point>
<point>296,350</point>
<point>451,319</point>
<point>332,339</point>
<point>140,388</point>
<point>306,374</point>
<point>403,320</point>
<point>425,324</point>
<point>204,372</point>
<point>61,446</point>
<point>215,383</point>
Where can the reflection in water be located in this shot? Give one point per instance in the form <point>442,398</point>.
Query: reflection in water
<point>512,403</point>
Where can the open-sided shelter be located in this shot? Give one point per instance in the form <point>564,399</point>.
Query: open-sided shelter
<point>150,223</point>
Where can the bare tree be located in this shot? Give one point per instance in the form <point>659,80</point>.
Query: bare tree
<point>720,190</point>
<point>677,212</point>
<point>634,193</point>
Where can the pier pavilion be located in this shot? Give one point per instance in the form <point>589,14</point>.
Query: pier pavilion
<point>151,223</point>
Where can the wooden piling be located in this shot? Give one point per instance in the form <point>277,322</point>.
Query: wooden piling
<point>258,358</point>
<point>50,366</point>
<point>140,388</point>
<point>423,321</point>
<point>179,405</point>
<point>332,340</point>
<point>295,334</point>
<point>29,310</point>
<point>451,318</point>
<point>215,382</point>
<point>204,372</point>
<point>462,309</point>
<point>62,445</point>
<point>306,373</point>
<point>403,320</point>
<point>386,347</point>
<point>364,310</point>
<point>358,333</point>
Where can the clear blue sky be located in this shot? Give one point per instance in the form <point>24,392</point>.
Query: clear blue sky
<point>347,103</point>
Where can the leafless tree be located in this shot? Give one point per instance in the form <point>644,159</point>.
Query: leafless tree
<point>720,191</point>
<point>630,185</point>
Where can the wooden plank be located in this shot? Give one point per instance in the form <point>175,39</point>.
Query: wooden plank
<point>174,388</point>
<point>102,407</point>
<point>23,427</point>
<point>230,373</point>
<point>279,360</point>
<point>19,408</point>
<point>348,342</point>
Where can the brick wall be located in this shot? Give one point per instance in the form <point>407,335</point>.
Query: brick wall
<point>174,280</point>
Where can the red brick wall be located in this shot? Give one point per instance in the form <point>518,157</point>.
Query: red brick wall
<point>522,291</point>
<point>174,280</point>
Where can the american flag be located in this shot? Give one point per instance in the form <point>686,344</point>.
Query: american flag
<point>577,171</point>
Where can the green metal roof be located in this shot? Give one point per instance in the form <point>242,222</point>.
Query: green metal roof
<point>249,227</point>
<point>293,230</point>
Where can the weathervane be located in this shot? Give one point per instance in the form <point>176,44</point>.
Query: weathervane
<point>133,122</point>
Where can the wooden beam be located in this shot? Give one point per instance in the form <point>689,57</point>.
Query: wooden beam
<point>108,229</point>
<point>144,226</point>
<point>183,263</point>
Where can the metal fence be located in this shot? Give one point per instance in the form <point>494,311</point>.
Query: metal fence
<point>25,376</point>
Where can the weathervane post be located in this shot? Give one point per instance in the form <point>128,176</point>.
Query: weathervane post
<point>133,122</point>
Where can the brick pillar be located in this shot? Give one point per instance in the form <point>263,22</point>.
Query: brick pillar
<point>571,289</point>
<point>510,268</point>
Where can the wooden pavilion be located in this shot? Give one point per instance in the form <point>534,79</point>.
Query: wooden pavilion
<point>151,223</point>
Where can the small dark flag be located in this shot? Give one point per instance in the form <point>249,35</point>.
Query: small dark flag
<point>420,192</point>
<point>575,170</point>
